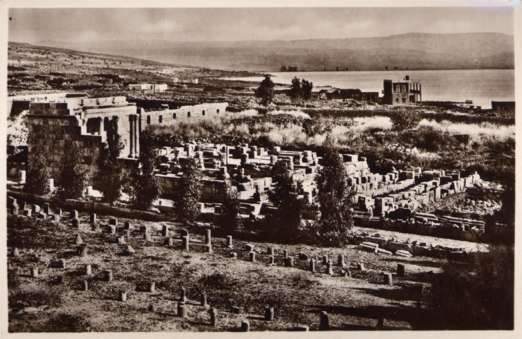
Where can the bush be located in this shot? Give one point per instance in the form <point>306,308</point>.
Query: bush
<point>37,175</point>
<point>35,297</point>
<point>66,322</point>
<point>404,120</point>
<point>481,297</point>
<point>216,281</point>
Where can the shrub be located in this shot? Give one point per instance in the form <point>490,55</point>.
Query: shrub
<point>37,174</point>
<point>66,322</point>
<point>35,297</point>
<point>481,297</point>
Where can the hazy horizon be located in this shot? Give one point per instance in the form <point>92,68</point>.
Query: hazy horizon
<point>274,40</point>
<point>84,25</point>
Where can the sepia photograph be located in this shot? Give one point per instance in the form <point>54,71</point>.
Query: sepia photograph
<point>250,168</point>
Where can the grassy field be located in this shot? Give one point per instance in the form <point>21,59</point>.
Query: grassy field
<point>42,304</point>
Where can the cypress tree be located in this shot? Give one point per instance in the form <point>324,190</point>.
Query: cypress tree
<point>189,193</point>
<point>229,219</point>
<point>111,176</point>
<point>285,223</point>
<point>146,188</point>
<point>37,174</point>
<point>334,199</point>
<point>72,179</point>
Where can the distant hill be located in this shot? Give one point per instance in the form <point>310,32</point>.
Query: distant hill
<point>405,51</point>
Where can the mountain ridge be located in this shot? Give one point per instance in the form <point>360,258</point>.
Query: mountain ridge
<point>400,51</point>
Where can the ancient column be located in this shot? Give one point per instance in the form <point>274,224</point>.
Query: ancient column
<point>312,265</point>
<point>182,311</point>
<point>208,236</point>
<point>269,313</point>
<point>325,259</point>
<point>82,250</point>
<point>204,302</point>
<point>340,260</point>
<point>401,270</point>
<point>108,275</point>
<point>213,317</point>
<point>388,279</point>
<point>165,231</point>
<point>186,243</point>
<point>245,326</point>
<point>229,242</point>
<point>323,321</point>
<point>93,218</point>
<point>183,295</point>
<point>131,136</point>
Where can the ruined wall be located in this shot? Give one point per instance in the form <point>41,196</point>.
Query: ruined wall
<point>53,136</point>
<point>184,113</point>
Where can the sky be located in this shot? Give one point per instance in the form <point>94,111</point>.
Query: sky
<point>229,24</point>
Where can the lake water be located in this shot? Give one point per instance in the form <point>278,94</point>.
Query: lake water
<point>480,85</point>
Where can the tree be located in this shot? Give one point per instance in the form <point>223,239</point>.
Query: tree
<point>334,198</point>
<point>404,120</point>
<point>229,219</point>
<point>503,234</point>
<point>111,176</point>
<point>265,91</point>
<point>189,193</point>
<point>280,169</point>
<point>477,296</point>
<point>37,174</point>
<point>307,87</point>
<point>284,224</point>
<point>296,91</point>
<point>72,179</point>
<point>146,188</point>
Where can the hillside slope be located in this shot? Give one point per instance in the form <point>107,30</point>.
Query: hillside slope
<point>405,51</point>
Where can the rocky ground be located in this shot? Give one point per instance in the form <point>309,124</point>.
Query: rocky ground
<point>43,303</point>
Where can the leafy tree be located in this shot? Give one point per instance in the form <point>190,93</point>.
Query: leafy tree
<point>504,234</point>
<point>284,187</point>
<point>296,92</point>
<point>146,188</point>
<point>37,174</point>
<point>229,220</point>
<point>189,193</point>
<point>334,199</point>
<point>111,175</point>
<point>307,87</point>
<point>265,91</point>
<point>72,179</point>
<point>475,297</point>
<point>279,170</point>
<point>404,120</point>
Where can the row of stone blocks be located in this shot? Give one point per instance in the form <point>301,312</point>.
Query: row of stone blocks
<point>289,261</point>
<point>269,315</point>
